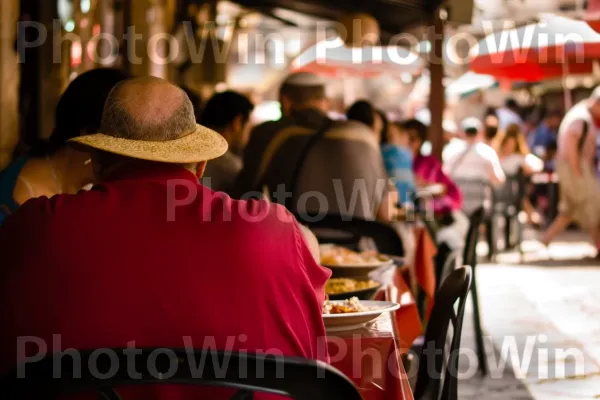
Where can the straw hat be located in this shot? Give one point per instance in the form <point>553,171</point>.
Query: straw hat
<point>203,144</point>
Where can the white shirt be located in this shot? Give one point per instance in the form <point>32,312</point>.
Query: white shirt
<point>473,162</point>
<point>478,163</point>
<point>511,164</point>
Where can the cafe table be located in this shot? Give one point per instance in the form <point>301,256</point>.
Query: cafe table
<point>371,358</point>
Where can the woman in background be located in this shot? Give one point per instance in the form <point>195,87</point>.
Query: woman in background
<point>55,167</point>
<point>515,158</point>
<point>451,223</point>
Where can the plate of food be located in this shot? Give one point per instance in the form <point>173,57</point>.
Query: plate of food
<point>345,263</point>
<point>345,315</point>
<point>345,288</point>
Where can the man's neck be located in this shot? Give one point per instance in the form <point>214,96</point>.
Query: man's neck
<point>68,165</point>
<point>306,108</point>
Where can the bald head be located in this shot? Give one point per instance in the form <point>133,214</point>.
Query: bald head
<point>149,109</point>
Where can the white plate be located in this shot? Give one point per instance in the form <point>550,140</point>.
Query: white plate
<point>350,321</point>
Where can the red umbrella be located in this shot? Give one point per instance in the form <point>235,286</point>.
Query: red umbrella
<point>554,47</point>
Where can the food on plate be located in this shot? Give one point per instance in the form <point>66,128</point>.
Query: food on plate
<point>346,285</point>
<point>347,306</point>
<point>335,255</point>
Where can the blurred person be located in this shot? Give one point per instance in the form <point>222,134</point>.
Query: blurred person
<point>450,131</point>
<point>303,103</point>
<point>119,264</point>
<point>306,152</point>
<point>54,167</point>
<point>452,224</point>
<point>491,128</point>
<point>196,100</point>
<point>546,132</point>
<point>509,114</point>
<point>579,188</point>
<point>550,156</point>
<point>474,161</point>
<point>227,113</point>
<point>363,111</point>
<point>398,158</point>
<point>515,158</point>
<point>515,155</point>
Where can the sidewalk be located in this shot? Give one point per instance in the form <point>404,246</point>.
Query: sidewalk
<point>547,311</point>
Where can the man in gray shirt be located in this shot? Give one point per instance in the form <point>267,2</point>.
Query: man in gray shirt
<point>316,165</point>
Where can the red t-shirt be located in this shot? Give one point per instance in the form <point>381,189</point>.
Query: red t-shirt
<point>153,257</point>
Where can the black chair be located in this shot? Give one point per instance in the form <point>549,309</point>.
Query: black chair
<point>481,194</point>
<point>508,205</point>
<point>470,258</point>
<point>247,373</point>
<point>348,231</point>
<point>452,260</point>
<point>438,372</point>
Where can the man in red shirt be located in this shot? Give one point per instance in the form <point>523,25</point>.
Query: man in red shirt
<point>149,257</point>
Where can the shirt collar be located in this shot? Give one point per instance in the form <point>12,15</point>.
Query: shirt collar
<point>141,170</point>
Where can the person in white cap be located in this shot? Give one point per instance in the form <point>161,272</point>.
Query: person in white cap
<point>310,163</point>
<point>473,161</point>
<point>304,103</point>
<point>577,153</point>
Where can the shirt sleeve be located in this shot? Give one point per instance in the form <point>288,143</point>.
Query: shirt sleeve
<point>453,193</point>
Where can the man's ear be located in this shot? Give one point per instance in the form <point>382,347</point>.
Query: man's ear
<point>200,168</point>
<point>286,105</point>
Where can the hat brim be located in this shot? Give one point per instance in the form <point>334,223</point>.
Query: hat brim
<point>202,145</point>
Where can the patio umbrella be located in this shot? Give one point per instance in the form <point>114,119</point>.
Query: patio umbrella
<point>333,58</point>
<point>463,86</point>
<point>554,47</point>
<point>468,83</point>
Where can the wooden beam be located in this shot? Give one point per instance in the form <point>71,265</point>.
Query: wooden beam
<point>437,97</point>
<point>9,81</point>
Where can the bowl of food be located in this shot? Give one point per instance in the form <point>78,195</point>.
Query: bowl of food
<point>345,263</point>
<point>345,288</point>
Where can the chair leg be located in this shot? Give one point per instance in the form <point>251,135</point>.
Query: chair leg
<point>507,232</point>
<point>481,355</point>
<point>519,238</point>
<point>491,237</point>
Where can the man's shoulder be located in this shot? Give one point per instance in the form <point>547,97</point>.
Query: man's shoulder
<point>486,151</point>
<point>53,217</point>
<point>271,127</point>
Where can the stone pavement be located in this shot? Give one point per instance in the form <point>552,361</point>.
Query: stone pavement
<point>542,315</point>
